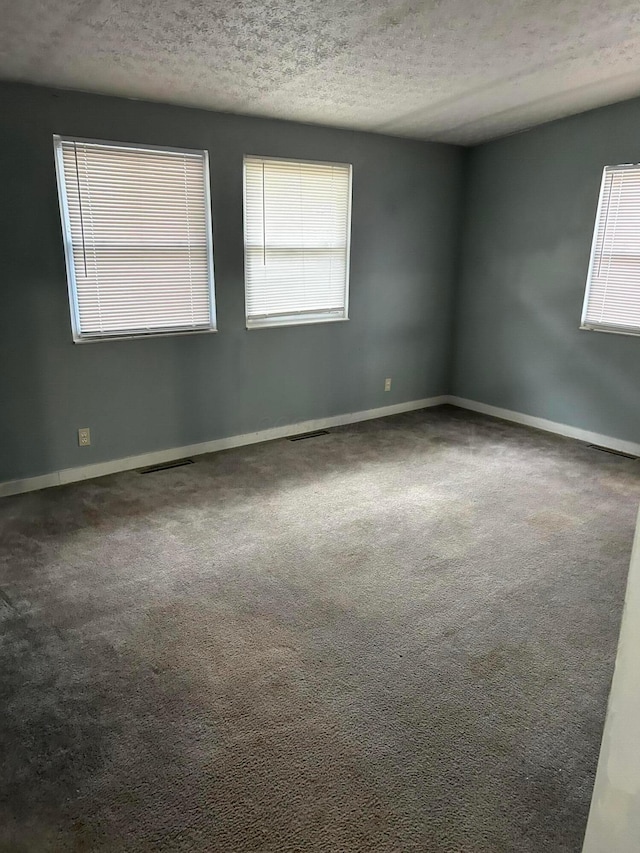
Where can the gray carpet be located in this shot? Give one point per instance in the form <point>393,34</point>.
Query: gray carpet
<point>395,637</point>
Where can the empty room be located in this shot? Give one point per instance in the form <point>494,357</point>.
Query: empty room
<point>319,426</point>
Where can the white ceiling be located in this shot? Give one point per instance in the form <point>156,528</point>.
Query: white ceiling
<point>453,70</point>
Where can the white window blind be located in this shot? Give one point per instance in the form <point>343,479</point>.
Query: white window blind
<point>612,299</point>
<point>297,223</point>
<point>137,230</point>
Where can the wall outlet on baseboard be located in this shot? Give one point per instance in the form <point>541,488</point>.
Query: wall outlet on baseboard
<point>84,437</point>
<point>387,385</point>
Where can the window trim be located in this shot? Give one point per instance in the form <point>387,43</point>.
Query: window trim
<point>78,336</point>
<point>633,331</point>
<point>315,317</point>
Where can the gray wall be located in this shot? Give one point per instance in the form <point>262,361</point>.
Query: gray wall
<point>146,395</point>
<point>530,210</point>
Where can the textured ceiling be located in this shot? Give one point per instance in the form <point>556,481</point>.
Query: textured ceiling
<point>454,70</point>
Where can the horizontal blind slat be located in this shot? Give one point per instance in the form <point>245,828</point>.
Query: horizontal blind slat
<point>139,237</point>
<point>297,220</point>
<point>613,286</point>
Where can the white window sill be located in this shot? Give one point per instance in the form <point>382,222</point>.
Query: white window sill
<point>276,323</point>
<point>611,330</point>
<point>136,336</point>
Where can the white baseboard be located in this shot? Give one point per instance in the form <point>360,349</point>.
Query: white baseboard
<point>548,426</point>
<point>100,469</point>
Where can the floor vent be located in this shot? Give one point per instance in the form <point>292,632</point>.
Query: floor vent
<point>166,465</point>
<point>309,435</point>
<point>612,452</point>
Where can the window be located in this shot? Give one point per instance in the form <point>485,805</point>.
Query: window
<point>297,223</point>
<point>612,299</point>
<point>137,237</point>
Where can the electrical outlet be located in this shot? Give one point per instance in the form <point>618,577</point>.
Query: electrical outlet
<point>387,385</point>
<point>84,437</point>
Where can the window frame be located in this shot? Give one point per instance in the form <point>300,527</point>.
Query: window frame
<point>608,328</point>
<point>78,336</point>
<point>312,318</point>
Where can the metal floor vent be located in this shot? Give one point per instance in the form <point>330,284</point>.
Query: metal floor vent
<point>309,435</point>
<point>166,465</point>
<point>612,452</point>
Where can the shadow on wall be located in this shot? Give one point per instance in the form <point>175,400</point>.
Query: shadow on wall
<point>27,386</point>
<point>539,361</point>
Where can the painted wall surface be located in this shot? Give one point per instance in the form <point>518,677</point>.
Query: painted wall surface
<point>614,818</point>
<point>144,395</point>
<point>530,211</point>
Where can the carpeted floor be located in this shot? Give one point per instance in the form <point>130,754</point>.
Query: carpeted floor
<point>395,637</point>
